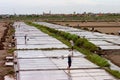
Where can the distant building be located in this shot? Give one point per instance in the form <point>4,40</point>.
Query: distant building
<point>47,14</point>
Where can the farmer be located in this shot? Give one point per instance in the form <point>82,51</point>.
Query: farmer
<point>72,43</point>
<point>69,62</point>
<point>25,38</point>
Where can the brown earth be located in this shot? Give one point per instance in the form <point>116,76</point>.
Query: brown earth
<point>115,58</point>
<point>108,30</point>
<point>104,27</point>
<point>94,24</point>
<point>4,28</point>
<point>3,70</point>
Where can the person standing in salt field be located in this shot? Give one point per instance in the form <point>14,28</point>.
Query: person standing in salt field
<point>25,38</point>
<point>69,63</point>
<point>72,44</point>
<point>19,26</point>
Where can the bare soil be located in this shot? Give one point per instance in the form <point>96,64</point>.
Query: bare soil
<point>115,58</point>
<point>3,70</point>
<point>104,27</point>
<point>3,50</point>
<point>110,30</point>
<point>95,24</point>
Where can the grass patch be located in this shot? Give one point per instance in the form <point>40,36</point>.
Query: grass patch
<point>98,60</point>
<point>11,50</point>
<point>113,72</point>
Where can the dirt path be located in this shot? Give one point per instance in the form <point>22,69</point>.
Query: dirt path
<point>3,50</point>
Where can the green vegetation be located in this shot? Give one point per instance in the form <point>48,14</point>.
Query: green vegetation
<point>112,17</point>
<point>10,50</point>
<point>93,57</point>
<point>81,44</point>
<point>100,61</point>
<point>11,31</point>
<point>114,73</point>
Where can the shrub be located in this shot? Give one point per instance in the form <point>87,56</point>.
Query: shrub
<point>10,50</point>
<point>62,33</point>
<point>114,73</point>
<point>74,37</point>
<point>69,37</point>
<point>90,46</point>
<point>66,35</point>
<point>79,42</point>
<point>52,30</point>
<point>98,60</point>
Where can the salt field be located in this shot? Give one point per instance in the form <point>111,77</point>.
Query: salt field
<point>50,64</point>
<point>106,41</point>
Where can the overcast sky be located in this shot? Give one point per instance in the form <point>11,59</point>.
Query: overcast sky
<point>58,6</point>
